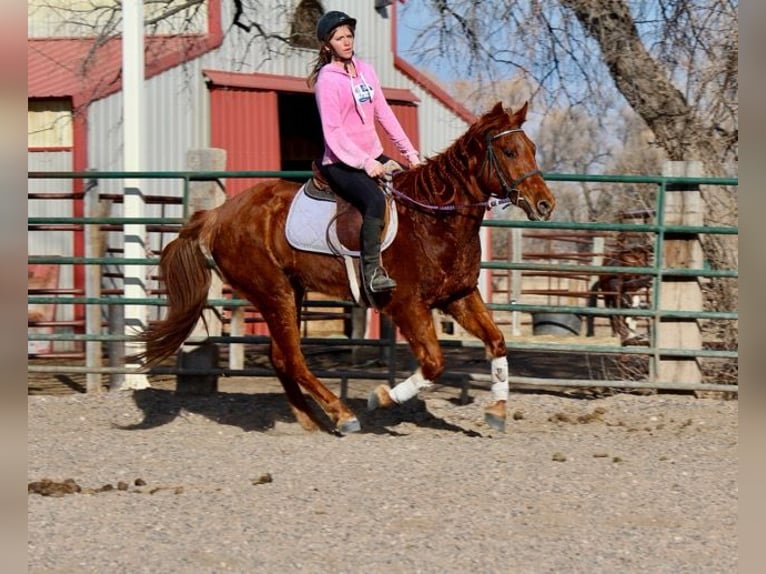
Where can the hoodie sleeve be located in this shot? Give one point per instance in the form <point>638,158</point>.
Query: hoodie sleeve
<point>330,103</point>
<point>388,121</point>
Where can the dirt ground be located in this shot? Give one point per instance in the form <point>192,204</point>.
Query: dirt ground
<point>584,480</point>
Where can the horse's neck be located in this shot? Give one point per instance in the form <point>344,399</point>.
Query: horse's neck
<point>457,227</point>
<point>444,183</point>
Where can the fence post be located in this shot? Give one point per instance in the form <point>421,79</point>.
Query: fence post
<point>198,353</point>
<point>116,349</point>
<point>358,323</point>
<point>683,206</point>
<point>95,244</point>
<point>516,278</point>
<point>598,249</point>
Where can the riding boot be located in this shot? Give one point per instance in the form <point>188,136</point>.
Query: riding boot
<point>374,276</point>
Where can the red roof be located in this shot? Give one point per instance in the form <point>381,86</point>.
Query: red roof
<point>62,68</point>
<point>78,68</point>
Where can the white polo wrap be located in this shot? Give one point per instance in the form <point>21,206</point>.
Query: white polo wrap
<point>407,389</point>
<point>500,378</point>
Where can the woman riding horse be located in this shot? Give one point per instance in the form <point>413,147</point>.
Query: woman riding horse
<point>350,99</point>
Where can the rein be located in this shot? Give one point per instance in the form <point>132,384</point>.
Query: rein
<point>512,194</point>
<point>489,204</point>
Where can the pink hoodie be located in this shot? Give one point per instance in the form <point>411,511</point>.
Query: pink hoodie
<point>348,107</point>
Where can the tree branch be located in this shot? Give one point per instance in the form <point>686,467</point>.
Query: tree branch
<point>238,11</point>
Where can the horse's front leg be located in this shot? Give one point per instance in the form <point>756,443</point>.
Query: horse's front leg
<point>417,327</point>
<point>472,314</point>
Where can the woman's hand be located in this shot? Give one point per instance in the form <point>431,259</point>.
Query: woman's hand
<point>375,169</point>
<point>413,160</point>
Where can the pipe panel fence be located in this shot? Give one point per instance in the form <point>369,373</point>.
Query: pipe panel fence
<point>636,291</point>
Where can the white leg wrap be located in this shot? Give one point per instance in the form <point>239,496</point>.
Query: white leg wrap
<point>407,389</point>
<point>500,378</point>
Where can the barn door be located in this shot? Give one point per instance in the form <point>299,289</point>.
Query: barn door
<point>245,123</point>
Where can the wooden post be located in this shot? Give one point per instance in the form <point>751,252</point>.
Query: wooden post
<point>358,327</point>
<point>95,246</point>
<point>683,206</point>
<point>198,352</point>
<point>237,329</point>
<point>597,260</point>
<point>116,349</point>
<point>516,279</point>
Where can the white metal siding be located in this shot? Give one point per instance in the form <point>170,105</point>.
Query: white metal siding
<point>77,18</point>
<point>173,110</point>
<point>178,114</point>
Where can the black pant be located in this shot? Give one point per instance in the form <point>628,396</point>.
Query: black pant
<point>356,187</point>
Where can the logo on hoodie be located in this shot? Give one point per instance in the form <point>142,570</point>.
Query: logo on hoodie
<point>363,92</point>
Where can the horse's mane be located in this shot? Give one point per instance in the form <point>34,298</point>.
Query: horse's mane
<point>442,177</point>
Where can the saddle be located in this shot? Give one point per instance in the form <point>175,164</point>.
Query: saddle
<point>320,221</point>
<point>348,219</point>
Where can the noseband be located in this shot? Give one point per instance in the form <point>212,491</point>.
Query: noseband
<point>510,189</point>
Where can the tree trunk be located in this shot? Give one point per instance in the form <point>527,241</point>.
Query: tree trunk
<point>677,128</point>
<point>644,84</point>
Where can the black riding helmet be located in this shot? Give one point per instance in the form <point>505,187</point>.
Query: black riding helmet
<point>331,20</point>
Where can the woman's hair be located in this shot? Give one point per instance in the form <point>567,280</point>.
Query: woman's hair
<point>324,57</point>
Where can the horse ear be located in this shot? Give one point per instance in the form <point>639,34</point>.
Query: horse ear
<point>498,109</point>
<point>521,113</point>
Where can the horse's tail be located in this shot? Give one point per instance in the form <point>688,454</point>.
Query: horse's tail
<point>187,276</point>
<point>592,302</point>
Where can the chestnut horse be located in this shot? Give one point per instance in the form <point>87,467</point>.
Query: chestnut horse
<point>434,259</point>
<point>617,289</point>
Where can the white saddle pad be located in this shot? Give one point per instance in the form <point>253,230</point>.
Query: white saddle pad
<point>307,226</point>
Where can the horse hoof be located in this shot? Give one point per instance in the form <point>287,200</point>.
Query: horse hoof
<point>349,426</point>
<point>379,398</point>
<point>495,422</point>
<point>494,416</point>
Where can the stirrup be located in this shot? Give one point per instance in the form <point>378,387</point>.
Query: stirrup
<point>380,281</point>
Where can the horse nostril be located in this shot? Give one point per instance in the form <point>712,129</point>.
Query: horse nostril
<point>543,207</point>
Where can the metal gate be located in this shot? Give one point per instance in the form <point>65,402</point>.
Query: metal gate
<point>84,333</point>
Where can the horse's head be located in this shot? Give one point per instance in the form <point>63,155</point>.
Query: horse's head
<point>509,169</point>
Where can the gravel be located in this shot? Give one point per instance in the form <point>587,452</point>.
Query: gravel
<point>230,483</point>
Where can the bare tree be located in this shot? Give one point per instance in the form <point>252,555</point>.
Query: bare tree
<point>673,62</point>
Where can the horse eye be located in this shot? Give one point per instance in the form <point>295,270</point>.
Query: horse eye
<point>509,153</point>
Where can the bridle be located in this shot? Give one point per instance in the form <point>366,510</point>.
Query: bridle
<point>509,189</point>
<point>512,195</point>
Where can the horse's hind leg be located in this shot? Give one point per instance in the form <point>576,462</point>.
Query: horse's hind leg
<point>281,315</point>
<point>472,314</point>
<point>298,403</point>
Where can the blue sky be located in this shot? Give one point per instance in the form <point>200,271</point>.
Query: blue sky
<point>410,18</point>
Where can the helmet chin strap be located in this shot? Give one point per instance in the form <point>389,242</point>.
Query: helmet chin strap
<point>345,61</point>
<point>339,58</point>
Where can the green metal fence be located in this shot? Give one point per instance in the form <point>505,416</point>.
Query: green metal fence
<point>652,351</point>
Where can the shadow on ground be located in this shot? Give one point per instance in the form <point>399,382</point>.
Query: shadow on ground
<point>262,411</point>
